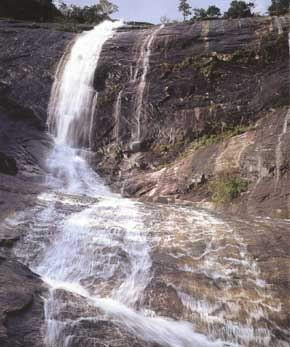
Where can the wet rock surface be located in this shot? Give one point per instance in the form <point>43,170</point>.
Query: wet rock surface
<point>28,59</point>
<point>208,270</point>
<point>29,56</point>
<point>21,305</point>
<point>205,83</point>
<point>215,272</point>
<point>205,78</point>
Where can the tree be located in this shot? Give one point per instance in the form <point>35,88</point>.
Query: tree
<point>165,20</point>
<point>279,7</point>
<point>213,11</point>
<point>240,9</point>
<point>199,13</point>
<point>88,14</point>
<point>184,8</point>
<point>107,8</point>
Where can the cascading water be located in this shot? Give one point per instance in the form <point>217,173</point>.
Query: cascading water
<point>115,266</point>
<point>143,63</point>
<point>99,251</point>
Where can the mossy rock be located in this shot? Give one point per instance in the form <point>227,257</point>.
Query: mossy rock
<point>226,188</point>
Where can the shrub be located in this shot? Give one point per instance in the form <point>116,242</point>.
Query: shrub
<point>239,9</point>
<point>227,187</point>
<point>279,7</point>
<point>210,139</point>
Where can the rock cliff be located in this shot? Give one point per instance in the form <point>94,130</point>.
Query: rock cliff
<point>215,101</point>
<point>28,59</point>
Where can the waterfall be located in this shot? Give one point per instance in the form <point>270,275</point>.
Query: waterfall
<point>117,115</point>
<point>144,63</point>
<point>278,152</point>
<point>70,108</point>
<point>98,260</point>
<point>121,272</point>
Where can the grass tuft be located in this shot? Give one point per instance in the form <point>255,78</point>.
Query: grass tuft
<point>226,188</point>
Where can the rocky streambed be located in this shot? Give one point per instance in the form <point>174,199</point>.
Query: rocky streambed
<point>228,277</point>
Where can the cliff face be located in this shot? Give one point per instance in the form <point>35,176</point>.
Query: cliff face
<point>29,56</point>
<point>213,100</point>
<point>178,107</point>
<point>28,59</point>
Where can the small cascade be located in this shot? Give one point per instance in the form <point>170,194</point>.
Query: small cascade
<point>117,115</point>
<point>143,64</point>
<point>70,108</point>
<point>279,154</point>
<point>278,25</point>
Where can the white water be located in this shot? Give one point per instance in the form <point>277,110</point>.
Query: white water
<point>90,244</point>
<point>144,63</point>
<point>279,147</point>
<point>70,108</point>
<point>117,115</point>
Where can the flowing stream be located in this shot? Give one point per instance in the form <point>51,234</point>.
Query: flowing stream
<point>122,273</point>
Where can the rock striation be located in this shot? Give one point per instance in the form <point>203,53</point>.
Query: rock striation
<point>21,312</point>
<point>215,101</point>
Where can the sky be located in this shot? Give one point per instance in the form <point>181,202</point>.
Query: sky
<point>152,10</point>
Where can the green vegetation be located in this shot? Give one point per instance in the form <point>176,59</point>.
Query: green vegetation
<point>207,66</point>
<point>211,12</point>
<point>227,187</point>
<point>184,8</point>
<point>67,16</point>
<point>270,49</point>
<point>32,10</point>
<point>88,14</point>
<point>211,139</point>
<point>279,7</point>
<point>239,9</point>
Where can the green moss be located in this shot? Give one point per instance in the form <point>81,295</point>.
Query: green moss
<point>226,188</point>
<point>118,154</point>
<point>272,47</point>
<point>210,139</point>
<point>67,27</point>
<point>206,66</point>
<point>166,148</point>
<point>110,96</point>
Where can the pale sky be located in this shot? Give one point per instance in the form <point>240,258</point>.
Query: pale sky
<point>152,10</point>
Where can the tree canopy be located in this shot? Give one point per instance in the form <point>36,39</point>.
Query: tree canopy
<point>88,14</point>
<point>240,9</point>
<point>279,7</point>
<point>211,12</point>
<point>184,8</point>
